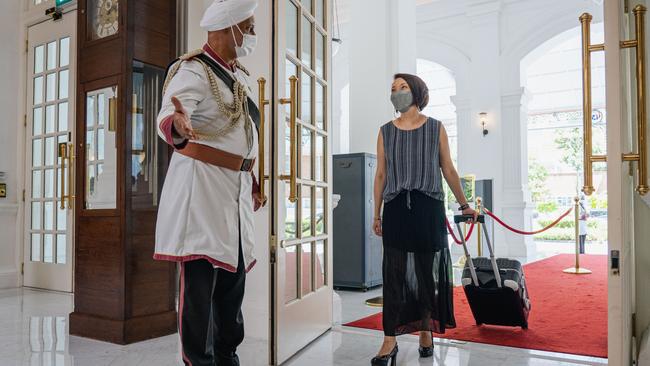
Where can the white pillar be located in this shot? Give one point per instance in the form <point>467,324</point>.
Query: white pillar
<point>376,52</point>
<point>516,207</point>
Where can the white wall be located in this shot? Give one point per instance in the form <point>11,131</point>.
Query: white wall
<point>11,59</point>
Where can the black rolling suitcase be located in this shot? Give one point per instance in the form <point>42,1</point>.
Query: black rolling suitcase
<point>495,288</point>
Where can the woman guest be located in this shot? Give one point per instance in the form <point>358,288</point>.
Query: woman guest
<point>412,158</point>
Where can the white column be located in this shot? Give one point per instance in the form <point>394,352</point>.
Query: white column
<point>404,32</point>
<point>382,41</point>
<point>516,207</point>
<point>464,124</point>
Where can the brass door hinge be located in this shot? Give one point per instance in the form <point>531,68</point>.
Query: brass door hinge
<point>23,195</point>
<point>26,45</point>
<point>22,268</point>
<point>626,6</point>
<point>25,120</point>
<point>274,251</point>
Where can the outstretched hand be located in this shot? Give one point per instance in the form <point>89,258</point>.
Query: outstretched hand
<point>182,123</point>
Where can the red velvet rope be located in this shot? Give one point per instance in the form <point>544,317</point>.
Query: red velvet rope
<point>453,236</point>
<point>527,232</point>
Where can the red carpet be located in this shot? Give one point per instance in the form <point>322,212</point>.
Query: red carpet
<point>569,312</point>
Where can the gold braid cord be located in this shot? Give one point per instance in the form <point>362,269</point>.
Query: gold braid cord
<point>232,111</point>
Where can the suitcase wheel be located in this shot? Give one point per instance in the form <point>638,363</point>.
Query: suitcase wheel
<point>524,326</point>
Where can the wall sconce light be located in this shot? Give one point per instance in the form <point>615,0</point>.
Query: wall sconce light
<point>483,117</point>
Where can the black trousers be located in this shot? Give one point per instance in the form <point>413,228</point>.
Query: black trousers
<point>211,324</point>
<point>582,238</point>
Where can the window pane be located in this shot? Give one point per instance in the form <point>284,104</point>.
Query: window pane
<point>65,52</point>
<point>37,121</point>
<point>320,211</point>
<point>37,184</point>
<point>100,144</point>
<point>306,269</point>
<point>50,113</point>
<point>306,211</point>
<point>320,54</point>
<point>290,70</point>
<point>292,28</point>
<point>49,183</point>
<point>37,152</point>
<point>90,146</point>
<point>63,117</point>
<point>49,151</point>
<point>305,95</point>
<point>39,59</point>
<point>61,246</point>
<point>320,13</point>
<point>291,274</point>
<point>38,90</point>
<point>306,4</point>
<point>305,154</point>
<point>290,216</point>
<point>36,248</point>
<point>101,113</point>
<point>51,55</point>
<point>51,87</point>
<point>63,84</point>
<point>320,106</point>
<point>320,159</point>
<point>61,218</point>
<point>36,216</point>
<point>306,41</point>
<point>320,264</point>
<point>90,111</point>
<point>48,215</point>
<point>48,248</point>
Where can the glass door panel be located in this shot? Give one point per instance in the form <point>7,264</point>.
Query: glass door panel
<point>303,293</point>
<point>49,216</point>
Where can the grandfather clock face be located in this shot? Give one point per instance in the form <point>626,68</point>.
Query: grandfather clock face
<point>103,18</point>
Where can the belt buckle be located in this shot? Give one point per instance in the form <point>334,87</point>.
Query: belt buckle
<point>247,165</point>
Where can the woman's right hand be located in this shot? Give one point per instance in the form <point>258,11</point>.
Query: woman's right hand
<point>376,226</point>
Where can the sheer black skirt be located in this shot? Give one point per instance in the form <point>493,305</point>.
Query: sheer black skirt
<point>417,268</point>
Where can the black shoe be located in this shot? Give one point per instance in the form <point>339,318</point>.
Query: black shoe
<point>426,352</point>
<point>383,360</point>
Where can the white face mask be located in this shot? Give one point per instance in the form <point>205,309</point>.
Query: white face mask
<point>249,42</point>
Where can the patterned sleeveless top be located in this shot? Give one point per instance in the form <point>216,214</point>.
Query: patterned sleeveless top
<point>413,160</point>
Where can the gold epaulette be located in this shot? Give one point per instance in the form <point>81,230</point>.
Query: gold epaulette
<point>190,55</point>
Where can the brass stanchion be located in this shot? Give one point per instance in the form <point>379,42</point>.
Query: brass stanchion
<point>376,302</point>
<point>577,269</point>
<point>479,202</point>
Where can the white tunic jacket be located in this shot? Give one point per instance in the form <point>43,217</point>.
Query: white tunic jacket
<point>205,210</point>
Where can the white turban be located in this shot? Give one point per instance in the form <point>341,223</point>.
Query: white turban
<point>224,14</point>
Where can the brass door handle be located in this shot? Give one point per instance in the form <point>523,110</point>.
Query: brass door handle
<point>71,161</point>
<point>293,125</point>
<point>641,157</point>
<point>263,102</point>
<point>63,154</point>
<point>589,157</point>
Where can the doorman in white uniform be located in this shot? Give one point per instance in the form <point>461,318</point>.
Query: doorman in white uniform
<point>205,216</point>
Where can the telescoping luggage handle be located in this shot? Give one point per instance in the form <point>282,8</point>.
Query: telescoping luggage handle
<point>481,218</point>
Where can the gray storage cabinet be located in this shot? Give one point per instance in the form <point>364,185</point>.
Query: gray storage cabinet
<point>357,250</point>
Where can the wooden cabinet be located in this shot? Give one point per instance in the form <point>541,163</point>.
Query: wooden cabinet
<point>121,294</point>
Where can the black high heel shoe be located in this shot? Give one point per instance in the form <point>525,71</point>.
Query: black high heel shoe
<point>383,360</point>
<point>426,352</point>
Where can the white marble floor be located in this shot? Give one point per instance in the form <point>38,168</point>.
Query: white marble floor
<point>34,332</point>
